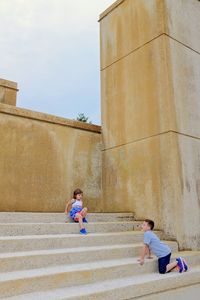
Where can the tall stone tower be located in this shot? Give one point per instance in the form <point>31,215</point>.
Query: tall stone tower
<point>150,75</point>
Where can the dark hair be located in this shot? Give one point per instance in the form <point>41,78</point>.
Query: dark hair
<point>77,192</point>
<point>150,223</point>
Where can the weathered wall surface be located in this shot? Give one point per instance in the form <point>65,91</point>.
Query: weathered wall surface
<point>44,158</point>
<point>151,113</point>
<point>8,92</point>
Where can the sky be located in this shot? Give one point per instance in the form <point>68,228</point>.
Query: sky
<point>51,49</point>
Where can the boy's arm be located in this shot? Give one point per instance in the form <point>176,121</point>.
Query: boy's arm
<point>145,249</point>
<point>148,253</point>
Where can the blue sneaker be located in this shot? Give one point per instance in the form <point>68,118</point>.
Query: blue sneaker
<point>85,220</point>
<point>180,265</point>
<point>83,231</point>
<point>185,265</point>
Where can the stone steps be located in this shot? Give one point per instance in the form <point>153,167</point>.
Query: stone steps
<point>52,260</point>
<point>19,282</point>
<point>60,241</point>
<point>18,229</point>
<point>44,258</point>
<point>132,287</point>
<point>21,217</point>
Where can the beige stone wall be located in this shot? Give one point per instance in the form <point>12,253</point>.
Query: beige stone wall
<point>8,92</point>
<point>44,158</point>
<point>150,62</point>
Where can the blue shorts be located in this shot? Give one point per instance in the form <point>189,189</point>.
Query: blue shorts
<point>73,213</point>
<point>163,262</point>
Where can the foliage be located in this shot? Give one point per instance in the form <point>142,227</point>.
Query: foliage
<point>82,118</point>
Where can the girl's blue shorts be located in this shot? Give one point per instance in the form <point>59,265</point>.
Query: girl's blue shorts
<point>74,211</point>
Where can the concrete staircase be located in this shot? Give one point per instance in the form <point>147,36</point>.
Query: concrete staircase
<point>41,257</point>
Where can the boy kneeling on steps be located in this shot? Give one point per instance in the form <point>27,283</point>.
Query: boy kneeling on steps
<point>163,252</point>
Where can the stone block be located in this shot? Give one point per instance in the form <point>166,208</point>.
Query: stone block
<point>136,96</point>
<point>157,178</point>
<point>44,158</point>
<point>183,72</point>
<point>182,22</point>
<point>8,92</point>
<point>127,26</point>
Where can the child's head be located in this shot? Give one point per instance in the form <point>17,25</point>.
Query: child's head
<point>147,225</point>
<point>78,194</point>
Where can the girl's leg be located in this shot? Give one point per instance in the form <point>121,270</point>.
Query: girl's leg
<point>80,220</point>
<point>84,212</point>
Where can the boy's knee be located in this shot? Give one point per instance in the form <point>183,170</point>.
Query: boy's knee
<point>162,270</point>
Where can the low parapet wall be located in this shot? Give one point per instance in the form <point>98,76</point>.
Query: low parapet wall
<point>43,158</point>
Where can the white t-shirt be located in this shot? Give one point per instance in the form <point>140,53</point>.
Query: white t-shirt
<point>77,203</point>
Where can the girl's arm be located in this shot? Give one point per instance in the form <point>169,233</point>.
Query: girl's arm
<point>68,206</point>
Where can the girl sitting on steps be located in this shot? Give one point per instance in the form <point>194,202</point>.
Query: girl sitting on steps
<point>76,211</point>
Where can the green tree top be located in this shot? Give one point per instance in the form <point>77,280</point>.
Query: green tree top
<point>82,118</point>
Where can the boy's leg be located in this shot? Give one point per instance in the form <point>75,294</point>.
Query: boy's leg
<point>163,264</point>
<point>171,266</point>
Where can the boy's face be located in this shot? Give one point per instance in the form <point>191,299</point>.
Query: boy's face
<point>145,226</point>
<point>79,196</point>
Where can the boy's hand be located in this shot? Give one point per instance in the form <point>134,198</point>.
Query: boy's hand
<point>141,261</point>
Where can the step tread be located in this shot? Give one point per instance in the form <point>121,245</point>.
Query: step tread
<point>43,236</point>
<point>66,224</point>
<point>67,250</point>
<point>48,271</point>
<point>141,283</point>
<point>72,250</point>
<point>30,217</point>
<point>62,213</point>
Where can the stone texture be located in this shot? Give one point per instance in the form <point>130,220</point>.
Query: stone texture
<point>20,217</point>
<point>8,92</point>
<point>43,161</point>
<point>184,293</point>
<point>71,266</point>
<point>184,71</point>
<point>136,22</point>
<point>136,98</point>
<point>152,90</point>
<point>182,22</point>
<point>150,113</point>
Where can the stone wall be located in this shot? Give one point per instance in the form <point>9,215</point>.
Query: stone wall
<point>43,158</point>
<point>150,62</point>
<point>8,92</point>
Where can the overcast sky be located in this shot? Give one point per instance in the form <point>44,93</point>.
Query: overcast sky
<point>51,48</point>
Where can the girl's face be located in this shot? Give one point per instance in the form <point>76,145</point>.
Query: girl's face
<point>78,196</point>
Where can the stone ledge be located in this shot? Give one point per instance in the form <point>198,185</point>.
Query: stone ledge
<point>110,9</point>
<point>25,113</point>
<point>8,84</point>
